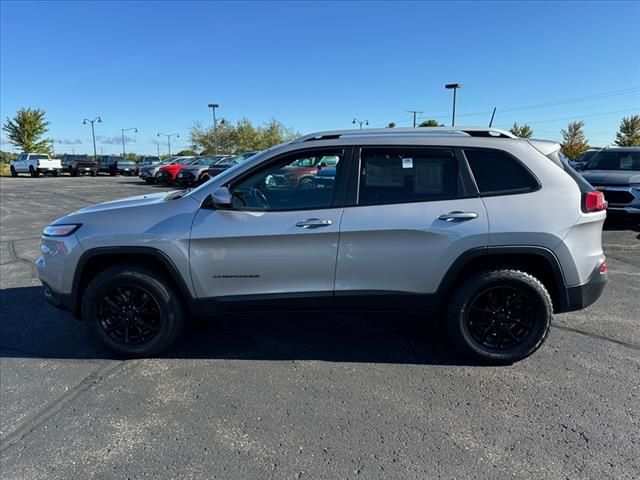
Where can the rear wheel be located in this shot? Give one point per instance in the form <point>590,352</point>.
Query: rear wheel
<point>13,171</point>
<point>33,172</point>
<point>73,172</point>
<point>499,316</point>
<point>133,310</point>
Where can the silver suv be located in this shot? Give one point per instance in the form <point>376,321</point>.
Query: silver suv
<point>482,232</point>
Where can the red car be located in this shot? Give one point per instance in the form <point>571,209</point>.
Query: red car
<point>167,173</point>
<point>300,173</point>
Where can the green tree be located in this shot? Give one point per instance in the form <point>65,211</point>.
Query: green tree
<point>430,123</point>
<point>241,137</point>
<point>391,125</point>
<point>186,153</point>
<point>522,131</point>
<point>26,130</point>
<point>574,141</point>
<point>629,132</point>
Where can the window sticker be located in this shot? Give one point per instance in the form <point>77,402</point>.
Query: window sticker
<point>626,163</point>
<point>427,176</point>
<point>383,173</point>
<point>407,163</point>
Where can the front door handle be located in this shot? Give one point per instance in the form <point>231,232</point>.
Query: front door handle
<point>457,216</point>
<point>313,223</point>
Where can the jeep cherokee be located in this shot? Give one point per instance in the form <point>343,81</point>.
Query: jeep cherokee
<point>486,233</point>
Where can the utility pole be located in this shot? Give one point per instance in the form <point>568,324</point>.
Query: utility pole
<point>213,107</point>
<point>158,145</point>
<point>93,133</point>
<point>414,116</point>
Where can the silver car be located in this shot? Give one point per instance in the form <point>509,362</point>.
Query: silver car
<point>489,233</point>
<point>616,172</point>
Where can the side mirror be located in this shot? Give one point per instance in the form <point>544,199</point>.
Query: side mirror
<point>221,198</point>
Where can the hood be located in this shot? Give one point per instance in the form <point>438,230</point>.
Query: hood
<point>136,201</point>
<point>611,177</point>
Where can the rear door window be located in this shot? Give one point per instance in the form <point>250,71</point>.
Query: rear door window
<point>497,172</point>
<point>402,175</point>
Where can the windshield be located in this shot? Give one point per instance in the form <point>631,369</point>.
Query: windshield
<point>612,160</point>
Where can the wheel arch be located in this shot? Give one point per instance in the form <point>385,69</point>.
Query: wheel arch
<point>538,261</point>
<point>96,260</point>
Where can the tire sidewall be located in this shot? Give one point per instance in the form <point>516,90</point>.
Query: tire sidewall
<point>170,310</point>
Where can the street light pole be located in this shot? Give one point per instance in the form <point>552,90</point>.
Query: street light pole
<point>124,154</point>
<point>454,87</point>
<point>169,135</point>
<point>213,107</point>
<point>93,133</point>
<point>360,122</point>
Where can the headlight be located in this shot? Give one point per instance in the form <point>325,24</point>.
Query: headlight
<point>61,230</point>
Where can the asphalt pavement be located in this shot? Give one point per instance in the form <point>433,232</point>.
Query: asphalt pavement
<point>306,395</point>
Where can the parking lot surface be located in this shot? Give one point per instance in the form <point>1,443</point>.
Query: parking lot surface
<point>307,395</point>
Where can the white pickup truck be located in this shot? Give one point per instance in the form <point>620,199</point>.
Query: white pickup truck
<point>34,164</point>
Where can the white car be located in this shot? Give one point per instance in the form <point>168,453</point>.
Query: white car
<point>34,164</point>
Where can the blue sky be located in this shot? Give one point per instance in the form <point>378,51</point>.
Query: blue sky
<point>315,66</point>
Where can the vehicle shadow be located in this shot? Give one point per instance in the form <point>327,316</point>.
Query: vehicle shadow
<point>621,224</point>
<point>30,328</point>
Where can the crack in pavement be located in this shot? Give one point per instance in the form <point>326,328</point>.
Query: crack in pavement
<point>596,336</point>
<point>55,406</point>
<point>17,258</point>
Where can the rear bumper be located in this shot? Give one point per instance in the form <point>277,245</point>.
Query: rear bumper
<point>581,296</point>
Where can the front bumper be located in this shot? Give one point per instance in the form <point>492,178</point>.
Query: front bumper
<point>581,296</point>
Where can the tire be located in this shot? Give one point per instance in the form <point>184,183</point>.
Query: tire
<point>487,312</point>
<point>203,178</point>
<point>164,310</point>
<point>73,172</point>
<point>94,173</point>
<point>13,171</point>
<point>33,172</point>
<point>56,173</point>
<point>157,178</point>
<point>113,174</point>
<point>305,183</point>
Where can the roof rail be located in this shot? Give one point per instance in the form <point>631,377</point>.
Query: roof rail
<point>420,131</point>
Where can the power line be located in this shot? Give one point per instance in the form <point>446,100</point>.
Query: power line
<point>578,117</point>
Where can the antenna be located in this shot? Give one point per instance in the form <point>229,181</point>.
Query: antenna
<point>492,115</point>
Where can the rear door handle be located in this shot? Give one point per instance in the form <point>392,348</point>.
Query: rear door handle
<point>313,223</point>
<point>457,216</point>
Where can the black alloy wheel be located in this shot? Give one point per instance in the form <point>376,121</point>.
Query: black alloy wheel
<point>500,318</point>
<point>130,315</point>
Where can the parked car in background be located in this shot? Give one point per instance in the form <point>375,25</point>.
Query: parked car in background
<point>148,173</point>
<point>301,172</point>
<point>198,171</point>
<point>34,164</point>
<point>167,173</point>
<point>582,160</point>
<point>109,164</point>
<point>220,167</point>
<point>325,178</point>
<point>615,171</point>
<point>127,167</point>
<point>451,223</point>
<point>76,165</point>
<point>149,160</point>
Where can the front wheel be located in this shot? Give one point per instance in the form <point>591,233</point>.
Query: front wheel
<point>499,316</point>
<point>33,172</point>
<point>133,310</point>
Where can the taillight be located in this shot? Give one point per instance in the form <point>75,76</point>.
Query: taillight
<point>594,201</point>
<point>604,268</point>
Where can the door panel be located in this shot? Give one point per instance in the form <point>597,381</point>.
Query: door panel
<point>259,253</point>
<point>405,248</point>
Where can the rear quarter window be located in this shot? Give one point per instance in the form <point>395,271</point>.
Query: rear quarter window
<point>497,172</point>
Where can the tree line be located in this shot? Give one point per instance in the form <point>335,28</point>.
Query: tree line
<point>28,128</point>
